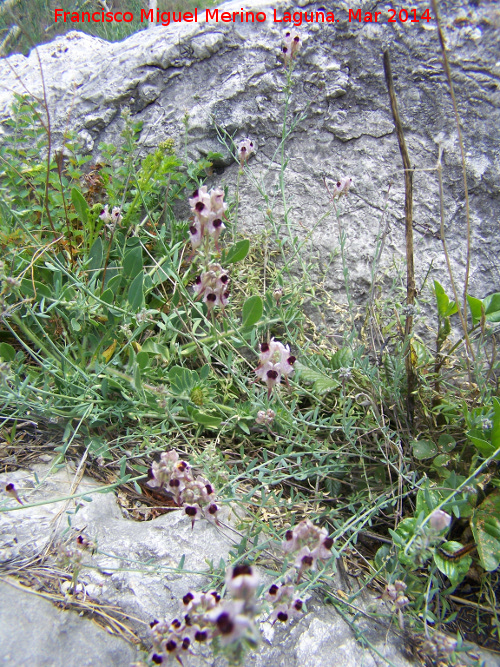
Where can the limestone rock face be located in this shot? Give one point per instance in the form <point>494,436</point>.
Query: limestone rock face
<point>230,77</point>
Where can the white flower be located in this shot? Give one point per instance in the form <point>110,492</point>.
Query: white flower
<point>439,520</point>
<point>242,581</point>
<point>245,149</point>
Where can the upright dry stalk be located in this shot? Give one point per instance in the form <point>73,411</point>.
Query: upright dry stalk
<point>410,271</point>
<point>153,5</point>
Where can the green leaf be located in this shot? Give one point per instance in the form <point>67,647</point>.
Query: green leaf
<point>444,305</point>
<point>81,206</point>
<point>136,292</point>
<point>342,358</point>
<point>485,525</point>
<point>476,308</point>
<point>492,307</point>
<point>156,349</point>
<point>211,421</point>
<point>108,296</point>
<point>446,443</point>
<point>95,255</point>
<point>454,570</point>
<point>238,252</point>
<point>75,325</point>
<point>132,262</point>
<point>322,383</point>
<point>182,380</point>
<point>142,359</point>
<point>33,288</point>
<point>423,449</point>
<point>7,352</point>
<point>252,311</point>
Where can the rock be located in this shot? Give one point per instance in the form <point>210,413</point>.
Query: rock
<point>135,569</point>
<point>34,632</point>
<point>229,76</point>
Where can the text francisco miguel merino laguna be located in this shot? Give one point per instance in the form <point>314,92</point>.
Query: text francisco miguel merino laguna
<point>165,18</point>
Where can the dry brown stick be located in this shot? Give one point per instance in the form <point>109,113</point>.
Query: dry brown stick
<point>410,270</point>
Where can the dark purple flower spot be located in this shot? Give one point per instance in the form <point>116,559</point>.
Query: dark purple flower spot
<point>80,539</point>
<point>187,620</point>
<point>193,231</point>
<point>224,279</point>
<point>296,39</point>
<point>10,487</point>
<point>226,295</point>
<point>307,561</point>
<point>182,465</point>
<point>185,643</point>
<point>212,297</point>
<point>243,149</point>
<point>176,623</point>
<point>339,184</point>
<point>298,604</point>
<point>213,509</point>
<point>285,49</point>
<point>289,535</point>
<point>216,596</point>
<point>151,474</point>
<point>174,482</point>
<point>217,223</point>
<point>195,194</point>
<point>157,659</point>
<point>199,206</point>
<point>272,375</point>
<point>191,511</point>
<point>201,636</point>
<point>198,280</point>
<point>187,598</point>
<point>264,347</point>
<point>282,616</point>
<point>225,624</point>
<point>273,590</point>
<point>244,568</point>
<point>287,34</point>
<point>291,360</point>
<point>153,623</point>
<point>171,645</point>
<point>209,489</point>
<point>328,543</point>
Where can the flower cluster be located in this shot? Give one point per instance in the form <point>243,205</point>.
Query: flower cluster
<point>212,286</point>
<point>265,417</point>
<point>208,209</point>
<point>275,362</point>
<point>395,593</point>
<point>205,616</point>
<point>175,476</point>
<point>286,604</point>
<point>292,45</point>
<point>341,187</point>
<point>308,543</point>
<point>111,219</point>
<point>245,149</point>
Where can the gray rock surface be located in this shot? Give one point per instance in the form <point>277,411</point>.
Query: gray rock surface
<point>33,632</point>
<point>133,568</point>
<point>229,75</point>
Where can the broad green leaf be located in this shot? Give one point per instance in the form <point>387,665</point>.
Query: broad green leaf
<point>238,251</point>
<point>485,525</point>
<point>342,358</point>
<point>423,449</point>
<point>95,255</point>
<point>252,311</point>
<point>322,383</point>
<point>211,421</point>
<point>142,359</point>
<point>476,308</point>
<point>33,288</point>
<point>136,292</point>
<point>132,262</point>
<point>446,443</point>
<point>75,325</point>
<point>454,570</point>
<point>492,307</point>
<point>7,352</point>
<point>108,296</point>
<point>156,349</point>
<point>81,206</point>
<point>182,380</point>
<point>444,305</point>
